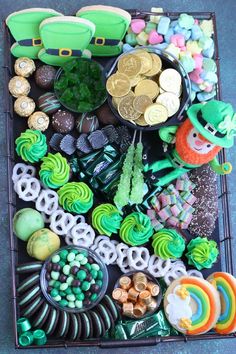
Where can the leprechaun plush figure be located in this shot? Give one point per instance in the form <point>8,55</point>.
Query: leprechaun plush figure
<point>208,128</point>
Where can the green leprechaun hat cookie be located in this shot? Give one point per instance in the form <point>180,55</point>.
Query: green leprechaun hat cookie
<point>24,27</point>
<point>111,25</point>
<point>215,120</point>
<point>65,38</point>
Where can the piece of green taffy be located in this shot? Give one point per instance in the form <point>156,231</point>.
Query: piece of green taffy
<point>168,243</point>
<point>31,145</point>
<point>106,219</point>
<point>136,229</point>
<point>202,253</point>
<point>54,171</point>
<point>76,197</point>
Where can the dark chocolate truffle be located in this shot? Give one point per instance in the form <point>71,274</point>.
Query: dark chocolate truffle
<point>48,103</point>
<point>105,115</point>
<point>44,76</point>
<point>87,123</point>
<point>63,121</point>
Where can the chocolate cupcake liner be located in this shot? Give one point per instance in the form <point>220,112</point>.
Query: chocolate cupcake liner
<point>111,133</point>
<point>83,145</point>
<point>97,139</point>
<point>55,141</point>
<point>68,144</point>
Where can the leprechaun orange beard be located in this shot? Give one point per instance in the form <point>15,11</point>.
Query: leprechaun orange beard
<point>184,150</point>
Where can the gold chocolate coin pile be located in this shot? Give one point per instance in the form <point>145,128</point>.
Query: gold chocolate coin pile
<point>141,92</point>
<point>136,295</point>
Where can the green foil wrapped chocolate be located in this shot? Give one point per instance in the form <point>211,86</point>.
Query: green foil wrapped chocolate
<point>76,197</point>
<point>31,145</point>
<point>136,229</point>
<point>106,219</point>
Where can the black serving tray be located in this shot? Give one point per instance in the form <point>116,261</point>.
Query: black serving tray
<point>222,233</point>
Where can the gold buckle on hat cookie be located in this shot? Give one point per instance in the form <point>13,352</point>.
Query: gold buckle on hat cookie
<point>36,42</point>
<point>102,39</point>
<point>65,52</point>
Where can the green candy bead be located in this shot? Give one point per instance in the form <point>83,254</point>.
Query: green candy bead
<point>84,261</point>
<point>85,285</point>
<point>75,251</point>
<point>81,275</point>
<point>88,266</point>
<point>78,304</point>
<point>71,304</point>
<point>79,257</point>
<point>92,281</point>
<point>100,275</point>
<point>71,297</point>
<point>63,254</point>
<point>57,284</point>
<point>62,293</point>
<point>80,296</point>
<point>93,297</point>
<point>76,290</point>
<point>62,263</point>
<point>69,280</point>
<point>54,293</point>
<point>99,283</point>
<point>63,302</point>
<point>56,258</point>
<point>71,257</point>
<point>68,291</point>
<point>55,275</point>
<point>94,273</point>
<point>84,253</point>
<point>63,286</point>
<point>51,282</point>
<point>75,263</point>
<point>95,266</point>
<point>66,269</point>
<point>57,298</point>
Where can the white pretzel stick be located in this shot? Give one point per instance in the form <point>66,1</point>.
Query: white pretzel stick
<point>27,188</point>
<point>138,257</point>
<point>21,169</point>
<point>47,201</point>
<point>158,267</point>
<point>61,222</point>
<point>107,251</point>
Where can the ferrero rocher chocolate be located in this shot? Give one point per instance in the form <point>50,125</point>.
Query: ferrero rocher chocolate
<point>24,67</point>
<point>38,121</point>
<point>140,73</point>
<point>19,86</point>
<point>24,106</point>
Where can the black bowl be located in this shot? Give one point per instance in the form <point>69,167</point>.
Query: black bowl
<point>166,64</point>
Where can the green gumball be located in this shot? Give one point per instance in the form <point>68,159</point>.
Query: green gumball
<point>25,222</point>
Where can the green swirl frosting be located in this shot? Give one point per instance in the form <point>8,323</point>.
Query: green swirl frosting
<point>202,253</point>
<point>168,243</point>
<point>136,229</point>
<point>106,219</point>
<point>31,145</point>
<point>76,197</point>
<point>54,171</point>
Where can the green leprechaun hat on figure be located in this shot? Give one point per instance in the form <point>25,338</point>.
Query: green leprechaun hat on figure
<point>111,26</point>
<point>24,27</point>
<point>215,121</point>
<point>65,38</point>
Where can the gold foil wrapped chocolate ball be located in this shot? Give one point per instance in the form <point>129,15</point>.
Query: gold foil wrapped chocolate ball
<point>38,121</point>
<point>24,67</point>
<point>24,106</point>
<point>19,86</point>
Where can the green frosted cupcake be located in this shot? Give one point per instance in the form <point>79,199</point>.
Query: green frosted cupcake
<point>136,229</point>
<point>168,243</point>
<point>54,171</point>
<point>106,219</point>
<point>202,253</point>
<point>76,197</point>
<point>31,145</point>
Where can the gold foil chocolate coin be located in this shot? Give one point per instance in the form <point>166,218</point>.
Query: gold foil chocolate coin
<point>170,101</point>
<point>147,87</point>
<point>170,80</point>
<point>116,100</point>
<point>156,65</point>
<point>141,121</point>
<point>141,103</point>
<point>126,109</point>
<point>146,60</point>
<point>118,85</point>
<point>155,114</point>
<point>129,65</point>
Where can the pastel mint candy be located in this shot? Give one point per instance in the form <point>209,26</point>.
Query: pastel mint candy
<point>209,65</point>
<point>168,35</point>
<point>173,23</point>
<point>161,46</point>
<point>149,27</point>
<point>195,87</point>
<point>179,30</point>
<point>196,33</point>
<point>188,63</point>
<point>130,39</point>
<point>206,96</point>
<point>186,21</point>
<point>209,76</point>
<point>205,42</point>
<point>209,52</point>
<point>193,95</point>
<point>163,25</point>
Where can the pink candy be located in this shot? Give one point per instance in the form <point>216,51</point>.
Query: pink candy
<point>178,40</point>
<point>137,25</point>
<point>198,58</point>
<point>208,88</point>
<point>195,76</point>
<point>154,37</point>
